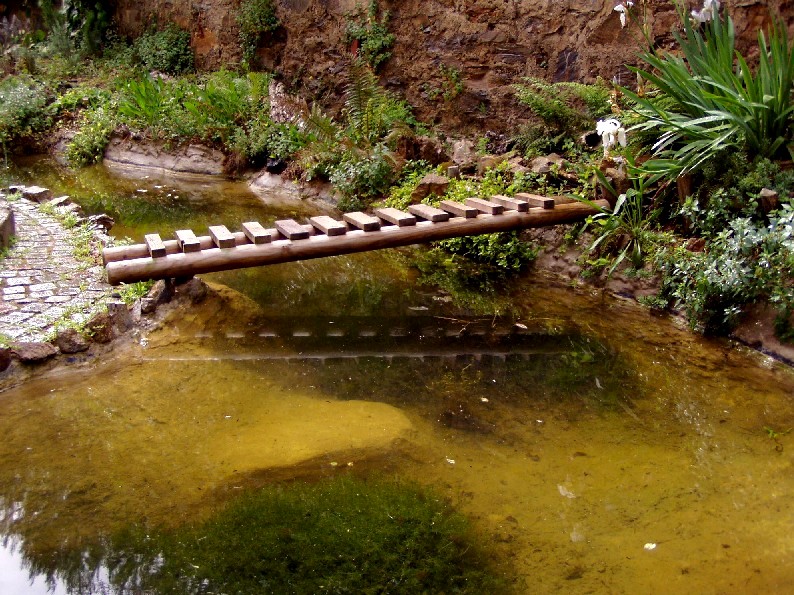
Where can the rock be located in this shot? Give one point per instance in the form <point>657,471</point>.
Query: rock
<point>486,162</point>
<point>100,328</point>
<point>33,353</point>
<point>430,184</point>
<point>70,341</point>
<point>275,166</point>
<point>194,289</point>
<point>463,153</point>
<point>517,166</point>
<point>7,227</point>
<point>590,139</point>
<point>619,179</point>
<point>543,165</point>
<point>36,193</point>
<point>770,200</point>
<point>192,159</point>
<point>757,329</point>
<point>5,358</point>
<point>453,172</point>
<point>160,293</point>
<point>696,244</point>
<point>59,201</point>
<point>103,221</point>
<point>424,148</point>
<point>148,305</point>
<point>120,316</point>
<point>73,208</point>
<point>276,190</point>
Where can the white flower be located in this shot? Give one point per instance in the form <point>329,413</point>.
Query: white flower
<point>623,9</point>
<point>611,132</point>
<point>709,11</point>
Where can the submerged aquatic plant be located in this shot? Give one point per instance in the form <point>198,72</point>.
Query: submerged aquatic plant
<point>339,536</point>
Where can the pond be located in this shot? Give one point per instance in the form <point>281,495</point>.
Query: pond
<point>592,446</point>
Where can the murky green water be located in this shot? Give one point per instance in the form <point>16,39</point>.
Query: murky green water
<point>596,448</point>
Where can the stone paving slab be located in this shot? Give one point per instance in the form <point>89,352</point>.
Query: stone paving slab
<point>42,285</point>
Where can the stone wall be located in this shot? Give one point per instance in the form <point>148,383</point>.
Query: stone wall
<point>492,43</point>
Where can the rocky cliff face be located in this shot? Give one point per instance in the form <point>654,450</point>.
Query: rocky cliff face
<point>490,44</point>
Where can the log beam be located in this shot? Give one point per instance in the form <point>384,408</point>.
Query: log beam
<point>250,255</point>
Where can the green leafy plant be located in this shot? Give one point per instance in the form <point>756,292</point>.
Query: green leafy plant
<point>23,109</point>
<point>255,19</point>
<point>132,292</point>
<point>88,144</point>
<point>451,85</point>
<point>710,100</point>
<point>167,50</point>
<point>504,250</point>
<point>742,264</point>
<point>358,157</point>
<point>624,230</point>
<point>222,108</point>
<point>370,33</point>
<point>89,21</point>
<point>564,107</point>
<point>143,100</point>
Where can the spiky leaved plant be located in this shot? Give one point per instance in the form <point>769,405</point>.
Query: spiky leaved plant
<point>710,100</point>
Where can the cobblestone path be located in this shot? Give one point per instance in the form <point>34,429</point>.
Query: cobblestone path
<point>41,281</point>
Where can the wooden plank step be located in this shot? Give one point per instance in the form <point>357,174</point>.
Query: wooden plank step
<point>328,225</point>
<point>221,236</point>
<point>395,216</point>
<point>511,204</point>
<point>429,213</point>
<point>257,234</point>
<point>536,200</point>
<point>187,241</point>
<point>155,245</point>
<point>486,206</point>
<point>292,230</point>
<point>458,209</point>
<point>362,221</point>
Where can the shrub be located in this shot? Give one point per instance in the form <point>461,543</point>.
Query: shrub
<point>711,101</point>
<point>363,178</point>
<point>167,50</point>
<point>23,109</point>
<point>745,262</point>
<point>371,34</point>
<point>503,250</point>
<point>559,105</point>
<point>359,155</point>
<point>218,110</point>
<point>255,18</point>
<point>88,145</point>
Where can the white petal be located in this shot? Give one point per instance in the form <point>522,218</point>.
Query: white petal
<point>622,137</point>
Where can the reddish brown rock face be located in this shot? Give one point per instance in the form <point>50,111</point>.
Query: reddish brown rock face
<point>491,43</point>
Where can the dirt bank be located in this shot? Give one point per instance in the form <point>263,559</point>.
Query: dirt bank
<point>455,61</point>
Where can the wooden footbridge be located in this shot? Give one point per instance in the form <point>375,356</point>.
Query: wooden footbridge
<point>289,241</point>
